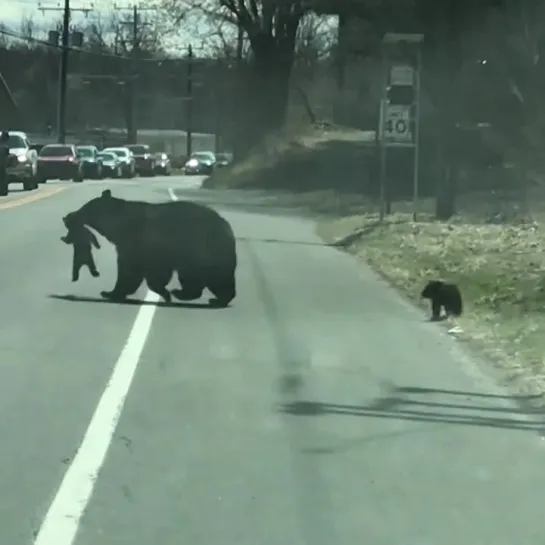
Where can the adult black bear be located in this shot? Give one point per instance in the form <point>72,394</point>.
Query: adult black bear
<point>154,239</point>
<point>443,295</point>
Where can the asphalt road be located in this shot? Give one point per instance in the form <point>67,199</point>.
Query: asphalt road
<point>319,409</point>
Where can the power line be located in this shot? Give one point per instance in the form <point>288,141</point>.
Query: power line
<point>47,44</point>
<point>137,42</point>
<point>189,103</point>
<point>71,10</point>
<point>63,68</point>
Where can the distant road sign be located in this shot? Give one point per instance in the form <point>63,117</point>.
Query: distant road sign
<point>401,74</point>
<point>397,124</point>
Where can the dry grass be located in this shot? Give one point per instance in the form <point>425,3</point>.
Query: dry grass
<point>500,268</point>
<point>297,160</point>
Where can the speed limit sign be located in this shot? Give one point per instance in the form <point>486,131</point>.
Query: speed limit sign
<point>397,123</point>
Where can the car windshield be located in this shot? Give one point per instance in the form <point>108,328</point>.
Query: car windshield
<point>85,152</point>
<point>16,141</point>
<point>139,150</point>
<point>107,156</point>
<point>56,151</point>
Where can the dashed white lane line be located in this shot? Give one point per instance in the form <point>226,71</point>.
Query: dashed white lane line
<point>62,520</point>
<point>172,195</point>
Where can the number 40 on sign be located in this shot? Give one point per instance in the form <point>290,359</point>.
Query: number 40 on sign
<point>397,126</point>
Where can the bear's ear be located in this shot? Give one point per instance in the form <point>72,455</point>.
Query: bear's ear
<point>107,194</point>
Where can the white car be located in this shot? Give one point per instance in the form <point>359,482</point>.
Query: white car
<point>126,160</point>
<point>25,169</point>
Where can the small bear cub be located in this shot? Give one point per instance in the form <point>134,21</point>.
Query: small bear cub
<point>83,240</point>
<point>443,295</point>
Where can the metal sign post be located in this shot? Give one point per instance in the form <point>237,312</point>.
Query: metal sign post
<point>400,107</point>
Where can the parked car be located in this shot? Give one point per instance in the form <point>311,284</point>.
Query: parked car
<point>111,165</point>
<point>91,161</point>
<point>59,161</point>
<point>223,159</point>
<point>200,162</point>
<point>23,165</point>
<point>126,159</point>
<point>162,164</point>
<point>144,159</point>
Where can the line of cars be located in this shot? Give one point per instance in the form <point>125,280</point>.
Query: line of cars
<point>34,164</point>
<point>67,161</point>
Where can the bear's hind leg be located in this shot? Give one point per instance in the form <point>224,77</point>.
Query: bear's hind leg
<point>192,286</point>
<point>91,265</point>
<point>76,266</point>
<point>224,289</point>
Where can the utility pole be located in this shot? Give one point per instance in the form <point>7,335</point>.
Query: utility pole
<point>219,90</point>
<point>63,67</point>
<point>136,43</point>
<point>189,103</point>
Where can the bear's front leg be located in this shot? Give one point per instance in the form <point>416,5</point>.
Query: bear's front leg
<point>129,279</point>
<point>157,279</point>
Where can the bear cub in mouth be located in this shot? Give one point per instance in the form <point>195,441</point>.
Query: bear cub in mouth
<point>83,240</point>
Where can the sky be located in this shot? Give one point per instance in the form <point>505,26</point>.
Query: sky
<point>14,11</point>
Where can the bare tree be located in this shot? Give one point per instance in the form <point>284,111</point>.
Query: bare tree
<point>4,39</point>
<point>27,28</point>
<point>311,75</point>
<point>100,32</point>
<point>271,28</point>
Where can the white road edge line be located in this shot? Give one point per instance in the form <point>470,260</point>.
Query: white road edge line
<point>62,520</point>
<point>172,195</point>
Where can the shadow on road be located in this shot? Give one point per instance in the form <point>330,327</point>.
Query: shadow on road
<point>402,407</point>
<point>419,390</point>
<point>137,302</point>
